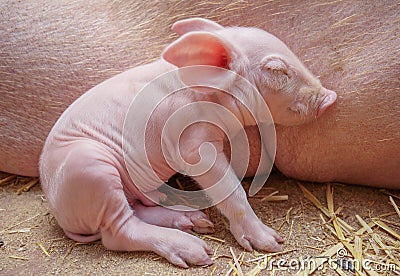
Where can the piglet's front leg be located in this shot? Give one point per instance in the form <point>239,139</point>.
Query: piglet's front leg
<point>248,230</point>
<point>246,227</point>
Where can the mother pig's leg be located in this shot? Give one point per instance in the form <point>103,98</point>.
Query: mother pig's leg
<point>86,195</point>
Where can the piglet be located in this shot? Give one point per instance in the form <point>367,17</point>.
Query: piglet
<point>96,181</point>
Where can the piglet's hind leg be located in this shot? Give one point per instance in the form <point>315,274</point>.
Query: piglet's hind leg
<point>89,200</point>
<point>164,217</point>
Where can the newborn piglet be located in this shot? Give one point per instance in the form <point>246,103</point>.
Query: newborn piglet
<point>97,183</point>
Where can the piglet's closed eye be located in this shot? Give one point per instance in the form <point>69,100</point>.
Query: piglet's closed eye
<point>276,70</point>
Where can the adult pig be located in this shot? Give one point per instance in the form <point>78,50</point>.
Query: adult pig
<point>52,52</point>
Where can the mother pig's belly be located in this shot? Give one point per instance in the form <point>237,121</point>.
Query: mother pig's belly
<point>357,141</point>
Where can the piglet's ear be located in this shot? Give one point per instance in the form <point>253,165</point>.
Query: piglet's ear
<point>201,48</point>
<point>195,24</point>
<point>198,48</point>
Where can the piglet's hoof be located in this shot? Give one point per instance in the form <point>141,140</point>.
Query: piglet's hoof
<point>256,235</point>
<point>196,221</point>
<point>182,249</point>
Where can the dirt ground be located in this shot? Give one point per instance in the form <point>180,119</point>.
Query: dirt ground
<point>33,244</point>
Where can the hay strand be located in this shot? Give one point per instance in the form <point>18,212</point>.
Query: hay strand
<point>354,243</point>
<point>276,198</point>
<point>378,240</point>
<point>273,197</point>
<point>321,259</point>
<point>237,268</point>
<point>322,208</point>
<point>386,228</point>
<point>43,249</point>
<point>396,208</point>
<point>19,223</point>
<point>27,186</point>
<point>213,271</point>
<point>7,179</point>
<point>19,231</point>
<point>358,252</point>
<point>212,238</point>
<point>337,226</point>
<point>234,269</point>
<point>18,258</point>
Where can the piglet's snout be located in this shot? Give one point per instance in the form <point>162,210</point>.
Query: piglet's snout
<point>328,98</point>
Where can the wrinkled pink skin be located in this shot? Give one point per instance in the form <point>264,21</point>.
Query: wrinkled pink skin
<point>84,175</point>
